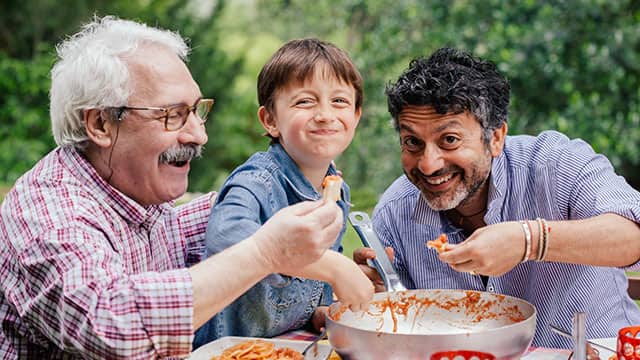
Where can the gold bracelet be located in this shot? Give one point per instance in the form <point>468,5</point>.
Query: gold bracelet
<point>545,239</point>
<point>540,240</point>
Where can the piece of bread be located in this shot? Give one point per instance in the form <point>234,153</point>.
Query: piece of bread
<point>440,244</point>
<point>331,187</point>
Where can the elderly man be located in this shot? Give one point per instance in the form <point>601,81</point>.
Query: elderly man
<point>95,258</point>
<point>541,218</point>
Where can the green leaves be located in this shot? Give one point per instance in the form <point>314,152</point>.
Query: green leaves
<point>573,67</point>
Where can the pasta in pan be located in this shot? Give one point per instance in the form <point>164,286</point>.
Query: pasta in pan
<point>258,350</point>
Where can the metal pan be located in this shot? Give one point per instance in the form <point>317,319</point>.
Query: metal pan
<point>415,324</point>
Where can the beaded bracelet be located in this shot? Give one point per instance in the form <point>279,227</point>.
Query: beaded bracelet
<point>527,241</point>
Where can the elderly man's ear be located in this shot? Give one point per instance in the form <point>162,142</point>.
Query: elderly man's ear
<point>99,128</point>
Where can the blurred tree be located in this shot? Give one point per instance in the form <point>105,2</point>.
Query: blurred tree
<point>573,66</point>
<point>29,31</point>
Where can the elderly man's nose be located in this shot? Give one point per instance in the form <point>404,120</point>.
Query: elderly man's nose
<point>194,130</point>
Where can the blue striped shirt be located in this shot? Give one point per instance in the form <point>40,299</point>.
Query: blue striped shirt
<point>547,176</point>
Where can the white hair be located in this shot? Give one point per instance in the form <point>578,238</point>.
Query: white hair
<point>91,73</point>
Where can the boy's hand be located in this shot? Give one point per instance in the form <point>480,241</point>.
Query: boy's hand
<point>352,287</point>
<point>298,235</point>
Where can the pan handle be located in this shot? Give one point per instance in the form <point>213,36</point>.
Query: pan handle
<point>363,226</point>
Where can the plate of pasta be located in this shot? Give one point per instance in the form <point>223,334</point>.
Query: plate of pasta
<point>237,348</point>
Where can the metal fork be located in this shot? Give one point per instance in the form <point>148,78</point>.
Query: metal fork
<point>363,226</point>
<point>564,333</point>
<point>314,343</point>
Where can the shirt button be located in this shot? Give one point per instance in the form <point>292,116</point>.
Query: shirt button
<point>490,288</point>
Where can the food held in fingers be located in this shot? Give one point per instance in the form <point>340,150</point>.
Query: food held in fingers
<point>440,244</point>
<point>331,187</point>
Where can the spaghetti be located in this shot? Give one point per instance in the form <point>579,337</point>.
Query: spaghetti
<point>258,350</point>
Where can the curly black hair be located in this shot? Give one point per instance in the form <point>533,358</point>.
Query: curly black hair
<point>451,80</point>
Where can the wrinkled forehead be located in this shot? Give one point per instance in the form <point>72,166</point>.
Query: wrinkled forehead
<point>156,71</point>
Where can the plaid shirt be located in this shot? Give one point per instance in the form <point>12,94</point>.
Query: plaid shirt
<point>89,273</point>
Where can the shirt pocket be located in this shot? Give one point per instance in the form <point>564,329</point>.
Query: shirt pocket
<point>287,296</point>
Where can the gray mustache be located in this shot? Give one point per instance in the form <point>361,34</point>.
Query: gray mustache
<point>181,153</point>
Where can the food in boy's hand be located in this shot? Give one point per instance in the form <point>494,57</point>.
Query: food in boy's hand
<point>259,350</point>
<point>440,244</point>
<point>331,185</point>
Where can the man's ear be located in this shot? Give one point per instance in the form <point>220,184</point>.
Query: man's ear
<point>496,144</point>
<point>98,127</point>
<point>268,122</point>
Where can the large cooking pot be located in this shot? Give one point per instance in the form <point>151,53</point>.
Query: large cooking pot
<point>415,324</point>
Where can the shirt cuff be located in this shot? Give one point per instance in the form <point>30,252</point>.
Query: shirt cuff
<point>165,304</point>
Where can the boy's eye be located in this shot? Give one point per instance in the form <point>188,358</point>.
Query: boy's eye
<point>305,101</point>
<point>341,100</point>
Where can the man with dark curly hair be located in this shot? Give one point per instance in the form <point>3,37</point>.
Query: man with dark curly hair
<point>543,218</point>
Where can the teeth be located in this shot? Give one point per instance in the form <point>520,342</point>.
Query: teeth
<point>438,181</point>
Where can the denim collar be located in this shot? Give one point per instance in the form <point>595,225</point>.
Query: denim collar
<point>292,174</point>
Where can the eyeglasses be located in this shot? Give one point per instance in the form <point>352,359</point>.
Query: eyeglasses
<point>175,117</point>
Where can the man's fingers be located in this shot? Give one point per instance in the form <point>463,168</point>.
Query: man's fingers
<point>361,255</point>
<point>390,253</point>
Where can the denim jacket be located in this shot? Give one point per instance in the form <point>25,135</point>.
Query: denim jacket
<point>253,193</point>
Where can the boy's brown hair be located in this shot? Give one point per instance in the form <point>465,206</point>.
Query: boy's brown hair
<point>297,60</point>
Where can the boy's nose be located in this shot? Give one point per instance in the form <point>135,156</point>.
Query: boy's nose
<point>321,116</point>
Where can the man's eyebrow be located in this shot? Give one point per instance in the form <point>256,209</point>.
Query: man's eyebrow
<point>181,103</point>
<point>448,124</point>
<point>406,128</point>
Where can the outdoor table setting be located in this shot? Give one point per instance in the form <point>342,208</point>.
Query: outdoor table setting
<point>300,339</point>
<point>433,324</point>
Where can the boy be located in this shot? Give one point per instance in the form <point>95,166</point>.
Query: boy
<point>310,96</point>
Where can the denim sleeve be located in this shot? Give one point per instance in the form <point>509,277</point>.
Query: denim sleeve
<point>327,295</point>
<point>241,205</point>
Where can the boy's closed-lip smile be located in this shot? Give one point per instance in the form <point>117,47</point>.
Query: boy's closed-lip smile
<point>324,131</point>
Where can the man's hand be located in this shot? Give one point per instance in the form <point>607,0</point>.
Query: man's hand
<point>492,250</point>
<point>298,235</point>
<point>361,255</point>
<point>319,318</point>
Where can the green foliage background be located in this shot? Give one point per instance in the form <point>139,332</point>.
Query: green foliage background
<point>574,66</point>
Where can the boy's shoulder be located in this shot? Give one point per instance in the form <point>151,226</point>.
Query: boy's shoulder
<point>260,167</point>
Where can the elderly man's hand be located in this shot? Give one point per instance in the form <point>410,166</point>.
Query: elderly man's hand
<point>361,255</point>
<point>298,235</point>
